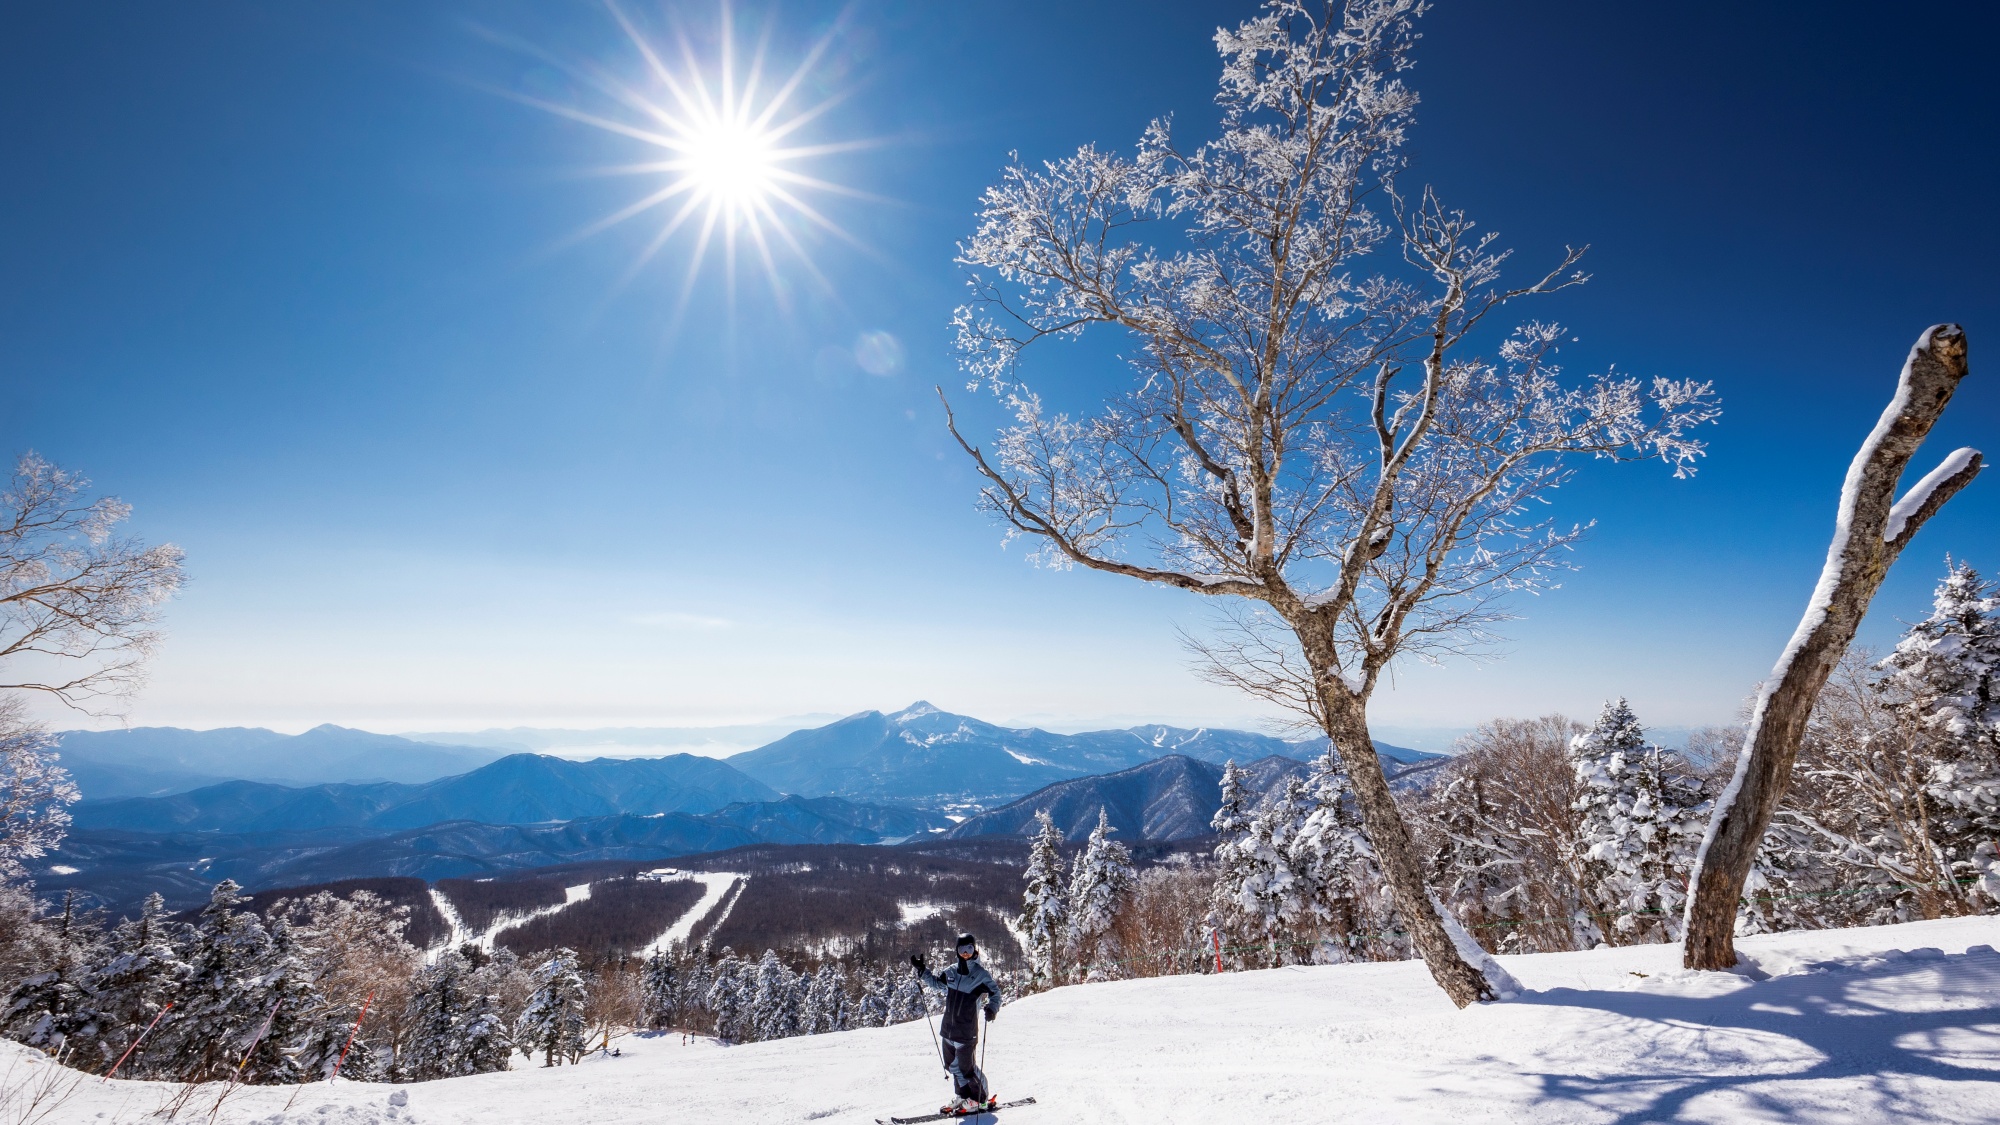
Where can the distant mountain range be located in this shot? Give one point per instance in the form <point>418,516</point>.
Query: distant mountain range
<point>517,789</point>
<point>153,761</point>
<point>336,804</point>
<point>119,868</point>
<point>1171,798</point>
<point>922,755</point>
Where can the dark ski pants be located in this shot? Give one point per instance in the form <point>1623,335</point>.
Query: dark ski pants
<point>962,1060</point>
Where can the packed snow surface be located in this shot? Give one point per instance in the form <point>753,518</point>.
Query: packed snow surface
<point>1893,1023</point>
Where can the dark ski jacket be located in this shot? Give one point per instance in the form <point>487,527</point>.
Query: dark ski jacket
<point>962,985</point>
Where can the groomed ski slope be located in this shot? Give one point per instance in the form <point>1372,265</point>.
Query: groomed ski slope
<point>1889,1024</point>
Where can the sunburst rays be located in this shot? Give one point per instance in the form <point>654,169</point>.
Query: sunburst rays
<point>730,167</point>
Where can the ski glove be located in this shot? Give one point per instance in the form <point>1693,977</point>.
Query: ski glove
<point>991,1015</point>
<point>917,961</point>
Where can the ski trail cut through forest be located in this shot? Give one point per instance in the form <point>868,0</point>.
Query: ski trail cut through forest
<point>501,924</point>
<point>715,884</point>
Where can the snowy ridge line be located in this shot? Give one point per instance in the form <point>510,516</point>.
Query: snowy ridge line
<point>715,883</point>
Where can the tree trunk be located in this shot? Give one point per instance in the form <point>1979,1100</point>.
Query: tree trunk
<point>1870,530</point>
<point>1347,726</point>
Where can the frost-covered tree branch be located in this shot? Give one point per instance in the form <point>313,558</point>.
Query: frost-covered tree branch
<point>1307,423</point>
<point>74,597</point>
<point>77,604</point>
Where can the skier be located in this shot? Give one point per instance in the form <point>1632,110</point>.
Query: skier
<point>961,984</point>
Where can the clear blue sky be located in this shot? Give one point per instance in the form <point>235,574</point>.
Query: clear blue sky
<point>292,280</point>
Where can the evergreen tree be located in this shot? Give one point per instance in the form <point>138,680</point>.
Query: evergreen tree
<point>1044,907</point>
<point>728,1000</point>
<point>455,1025</point>
<point>58,1009</point>
<point>872,1010</point>
<point>775,1000</point>
<point>1945,678</point>
<point>1232,822</point>
<point>827,1007</point>
<point>552,1022</point>
<point>660,984</point>
<point>231,1001</point>
<point>906,999</point>
<point>1640,819</point>
<point>1331,863</point>
<point>1098,888</point>
<point>140,975</point>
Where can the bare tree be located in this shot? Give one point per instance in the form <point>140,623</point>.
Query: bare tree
<point>1314,440</point>
<point>73,596</point>
<point>1500,835</point>
<point>75,600</point>
<point>1871,528</point>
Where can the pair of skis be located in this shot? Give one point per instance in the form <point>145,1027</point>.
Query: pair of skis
<point>949,1116</point>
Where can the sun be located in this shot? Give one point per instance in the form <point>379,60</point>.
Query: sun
<point>731,164</point>
<point>728,169</point>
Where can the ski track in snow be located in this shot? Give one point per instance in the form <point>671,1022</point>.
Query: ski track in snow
<point>1832,1027</point>
<point>715,884</point>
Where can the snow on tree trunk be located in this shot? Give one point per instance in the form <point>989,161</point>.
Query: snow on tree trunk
<point>1466,983</point>
<point>1871,528</point>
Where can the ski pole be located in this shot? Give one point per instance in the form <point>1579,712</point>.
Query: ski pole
<point>136,1042</point>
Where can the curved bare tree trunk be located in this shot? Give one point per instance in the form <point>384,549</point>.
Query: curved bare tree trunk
<point>1347,726</point>
<point>1870,530</point>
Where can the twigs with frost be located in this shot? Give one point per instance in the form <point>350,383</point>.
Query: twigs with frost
<point>1295,430</point>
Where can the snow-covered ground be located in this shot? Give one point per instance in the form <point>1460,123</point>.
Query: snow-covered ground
<point>1890,1024</point>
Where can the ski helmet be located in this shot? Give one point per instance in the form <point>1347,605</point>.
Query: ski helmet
<point>967,947</point>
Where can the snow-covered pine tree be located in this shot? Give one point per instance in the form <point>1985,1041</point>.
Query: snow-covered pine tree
<point>1640,820</point>
<point>827,1007</point>
<point>58,1009</point>
<point>906,999</point>
<point>872,1009</point>
<point>728,1000</point>
<point>236,980</point>
<point>775,1001</point>
<point>432,1017</point>
<point>1232,822</point>
<point>1044,903</point>
<point>136,978</point>
<point>1334,866</point>
<point>1274,898</point>
<point>1098,888</point>
<point>660,987</point>
<point>284,985</point>
<point>552,1023</point>
<point>454,1022</point>
<point>1945,677</point>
